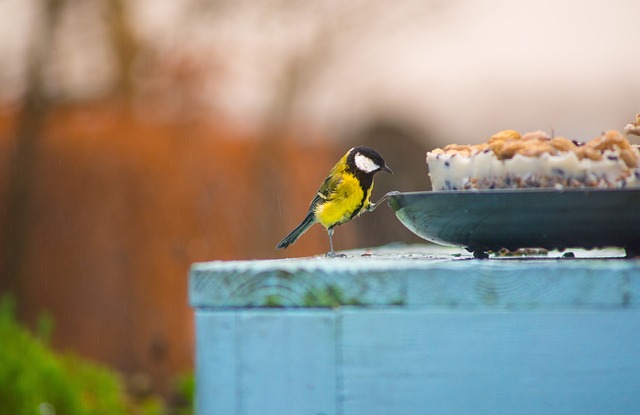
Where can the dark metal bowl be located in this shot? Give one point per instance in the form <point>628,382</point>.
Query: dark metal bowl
<point>488,220</point>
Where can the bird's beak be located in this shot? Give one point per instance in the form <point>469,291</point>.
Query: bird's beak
<point>387,169</point>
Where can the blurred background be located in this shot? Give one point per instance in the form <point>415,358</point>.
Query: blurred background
<point>140,136</point>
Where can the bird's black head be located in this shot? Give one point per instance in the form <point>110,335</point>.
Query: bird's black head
<point>366,161</point>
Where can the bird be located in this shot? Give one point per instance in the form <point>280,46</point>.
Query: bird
<point>343,195</point>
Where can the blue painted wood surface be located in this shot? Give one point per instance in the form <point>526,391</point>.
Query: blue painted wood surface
<point>412,334</point>
<point>462,362</point>
<point>268,362</point>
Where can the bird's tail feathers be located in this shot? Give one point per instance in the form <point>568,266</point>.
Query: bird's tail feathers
<point>298,231</point>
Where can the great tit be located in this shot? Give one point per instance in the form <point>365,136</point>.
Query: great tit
<point>343,195</point>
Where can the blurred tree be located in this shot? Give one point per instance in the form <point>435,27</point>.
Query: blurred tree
<point>23,158</point>
<point>35,103</point>
<point>124,44</point>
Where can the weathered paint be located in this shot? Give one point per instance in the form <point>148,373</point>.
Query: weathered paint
<point>417,334</point>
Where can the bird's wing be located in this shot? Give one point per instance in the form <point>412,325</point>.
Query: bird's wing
<point>325,191</point>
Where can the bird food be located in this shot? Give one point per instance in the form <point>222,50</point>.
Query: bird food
<point>509,160</point>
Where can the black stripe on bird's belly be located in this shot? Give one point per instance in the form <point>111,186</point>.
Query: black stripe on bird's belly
<point>365,180</point>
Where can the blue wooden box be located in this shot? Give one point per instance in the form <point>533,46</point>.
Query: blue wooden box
<point>417,334</point>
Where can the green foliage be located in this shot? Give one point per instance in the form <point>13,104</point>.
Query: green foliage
<point>45,328</point>
<point>151,405</point>
<point>181,401</point>
<point>35,380</point>
<point>186,394</point>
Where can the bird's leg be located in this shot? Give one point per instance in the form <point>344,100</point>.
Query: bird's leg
<point>331,253</point>
<point>373,206</point>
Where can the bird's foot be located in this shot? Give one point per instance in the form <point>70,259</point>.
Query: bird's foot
<point>373,206</point>
<point>332,254</point>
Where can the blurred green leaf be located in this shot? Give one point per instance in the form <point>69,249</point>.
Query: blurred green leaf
<point>34,379</point>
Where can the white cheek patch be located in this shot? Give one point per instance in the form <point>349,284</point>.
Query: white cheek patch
<point>365,164</point>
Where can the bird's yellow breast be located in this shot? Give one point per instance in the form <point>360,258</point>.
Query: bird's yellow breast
<point>346,201</point>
